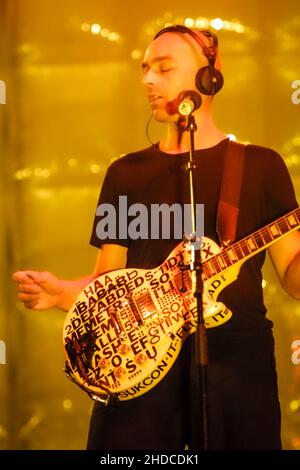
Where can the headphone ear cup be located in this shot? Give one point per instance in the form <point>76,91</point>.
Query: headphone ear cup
<point>204,81</point>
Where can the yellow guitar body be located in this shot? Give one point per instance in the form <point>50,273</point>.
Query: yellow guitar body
<point>127,327</point>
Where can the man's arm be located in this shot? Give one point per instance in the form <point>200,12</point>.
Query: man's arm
<point>42,290</point>
<point>285,256</point>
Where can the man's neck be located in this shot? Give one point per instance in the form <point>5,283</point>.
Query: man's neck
<point>207,135</point>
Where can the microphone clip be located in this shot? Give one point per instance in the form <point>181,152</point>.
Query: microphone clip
<point>189,101</point>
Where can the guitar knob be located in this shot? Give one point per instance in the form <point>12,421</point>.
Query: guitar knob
<point>140,358</point>
<point>123,349</point>
<point>103,363</point>
<point>119,372</point>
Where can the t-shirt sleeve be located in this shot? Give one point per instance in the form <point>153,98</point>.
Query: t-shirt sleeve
<point>105,228</point>
<point>278,190</point>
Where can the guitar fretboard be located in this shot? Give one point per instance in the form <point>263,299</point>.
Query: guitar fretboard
<point>252,244</point>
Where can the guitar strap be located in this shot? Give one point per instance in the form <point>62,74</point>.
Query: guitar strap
<point>228,205</point>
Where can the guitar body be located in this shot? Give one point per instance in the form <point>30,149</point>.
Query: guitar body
<point>127,327</point>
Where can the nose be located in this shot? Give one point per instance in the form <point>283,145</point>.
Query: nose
<point>148,78</point>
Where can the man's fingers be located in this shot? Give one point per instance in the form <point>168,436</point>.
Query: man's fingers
<point>22,276</point>
<point>28,297</point>
<point>30,277</point>
<point>29,288</point>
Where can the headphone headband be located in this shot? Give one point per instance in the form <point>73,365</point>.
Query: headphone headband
<point>209,51</point>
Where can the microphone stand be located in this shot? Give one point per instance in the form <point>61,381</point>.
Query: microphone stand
<point>195,267</point>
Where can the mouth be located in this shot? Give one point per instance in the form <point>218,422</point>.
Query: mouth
<point>154,98</point>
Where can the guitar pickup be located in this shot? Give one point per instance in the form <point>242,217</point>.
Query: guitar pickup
<point>145,305</point>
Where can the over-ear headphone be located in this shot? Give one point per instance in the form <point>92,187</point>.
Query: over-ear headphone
<point>209,80</point>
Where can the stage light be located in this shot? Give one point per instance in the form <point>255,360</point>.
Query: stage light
<point>239,28</point>
<point>85,27</point>
<point>216,23</point>
<point>150,31</point>
<point>294,405</point>
<point>95,168</point>
<point>23,173</point>
<point>72,162</point>
<point>189,22</point>
<point>67,405</point>
<point>136,54</point>
<point>201,23</point>
<point>41,172</point>
<point>95,28</point>
<point>104,33</point>
<point>113,36</point>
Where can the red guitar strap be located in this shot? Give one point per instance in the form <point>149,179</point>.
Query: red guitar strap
<point>228,206</point>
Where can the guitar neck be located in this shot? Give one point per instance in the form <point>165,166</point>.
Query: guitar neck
<point>252,244</point>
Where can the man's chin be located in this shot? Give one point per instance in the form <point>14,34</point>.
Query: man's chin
<point>161,115</point>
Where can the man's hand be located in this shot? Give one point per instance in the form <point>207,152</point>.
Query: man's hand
<point>39,290</point>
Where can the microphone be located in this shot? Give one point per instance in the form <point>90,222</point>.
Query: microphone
<point>189,101</point>
<point>186,102</point>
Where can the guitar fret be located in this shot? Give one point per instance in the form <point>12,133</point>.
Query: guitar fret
<point>245,248</point>
<point>232,255</point>
<point>258,240</point>
<point>222,262</point>
<point>251,244</point>
<point>205,271</point>
<point>267,235</point>
<point>226,258</point>
<point>275,231</point>
<point>215,264</point>
<point>208,268</point>
<point>284,226</point>
<point>238,251</point>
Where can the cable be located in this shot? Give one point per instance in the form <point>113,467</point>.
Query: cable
<point>147,130</point>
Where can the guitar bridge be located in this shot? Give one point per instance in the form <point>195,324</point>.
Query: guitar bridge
<point>183,281</point>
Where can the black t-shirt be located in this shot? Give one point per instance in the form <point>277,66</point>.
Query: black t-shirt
<point>152,176</point>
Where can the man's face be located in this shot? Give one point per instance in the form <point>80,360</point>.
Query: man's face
<point>170,65</point>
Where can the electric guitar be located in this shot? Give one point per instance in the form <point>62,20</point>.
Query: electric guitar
<point>126,328</point>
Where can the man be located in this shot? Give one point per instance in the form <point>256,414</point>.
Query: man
<point>244,410</point>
